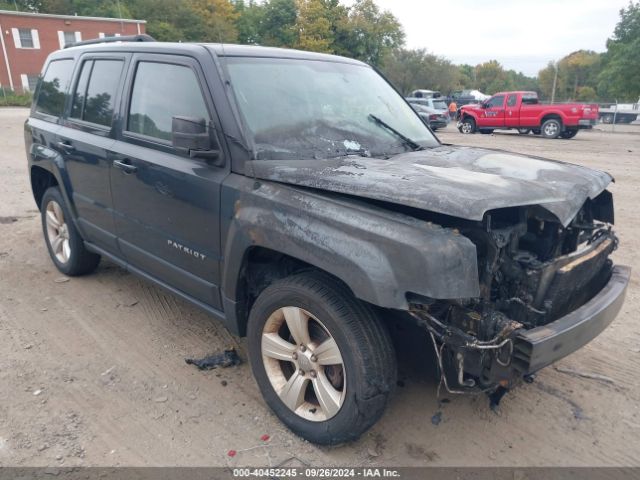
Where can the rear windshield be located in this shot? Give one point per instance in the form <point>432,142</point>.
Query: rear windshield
<point>439,105</point>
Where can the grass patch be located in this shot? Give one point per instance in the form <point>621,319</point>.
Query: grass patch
<point>11,98</point>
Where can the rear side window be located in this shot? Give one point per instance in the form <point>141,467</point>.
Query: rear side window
<point>53,87</point>
<point>94,97</point>
<point>160,92</point>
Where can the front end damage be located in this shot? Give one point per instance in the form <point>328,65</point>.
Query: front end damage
<point>545,291</point>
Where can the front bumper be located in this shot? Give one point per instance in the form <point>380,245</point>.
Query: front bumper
<point>536,348</point>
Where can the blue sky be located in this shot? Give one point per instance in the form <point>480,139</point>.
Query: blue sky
<point>520,34</point>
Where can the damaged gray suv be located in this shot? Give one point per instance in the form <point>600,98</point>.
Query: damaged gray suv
<point>300,200</point>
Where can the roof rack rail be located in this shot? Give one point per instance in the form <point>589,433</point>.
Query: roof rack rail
<point>125,38</point>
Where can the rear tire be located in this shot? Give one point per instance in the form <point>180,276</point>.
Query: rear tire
<point>567,134</point>
<point>355,380</point>
<point>63,240</point>
<point>551,128</point>
<point>467,126</point>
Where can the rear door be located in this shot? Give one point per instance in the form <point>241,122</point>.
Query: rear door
<point>167,205</point>
<point>43,125</point>
<point>85,138</point>
<point>493,114</point>
<point>512,111</point>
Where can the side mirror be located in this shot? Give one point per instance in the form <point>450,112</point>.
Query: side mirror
<point>191,135</point>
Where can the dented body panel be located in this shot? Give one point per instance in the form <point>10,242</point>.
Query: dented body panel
<point>379,254</point>
<point>502,258</point>
<point>457,181</point>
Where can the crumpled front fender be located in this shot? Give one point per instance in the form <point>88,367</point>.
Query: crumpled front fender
<point>380,255</point>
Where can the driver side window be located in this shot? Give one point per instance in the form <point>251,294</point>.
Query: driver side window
<point>497,101</point>
<point>161,91</point>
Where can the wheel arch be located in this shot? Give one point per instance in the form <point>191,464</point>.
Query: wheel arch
<point>469,115</point>
<point>260,267</point>
<point>381,257</point>
<point>41,180</point>
<point>552,116</point>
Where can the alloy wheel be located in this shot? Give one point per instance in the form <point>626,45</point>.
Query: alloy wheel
<point>466,127</point>
<point>303,363</point>
<point>58,232</point>
<point>551,129</point>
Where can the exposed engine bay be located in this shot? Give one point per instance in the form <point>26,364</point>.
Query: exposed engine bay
<point>532,271</point>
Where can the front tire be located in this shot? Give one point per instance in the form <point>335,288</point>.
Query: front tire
<point>467,126</point>
<point>63,240</point>
<point>551,128</point>
<point>323,360</point>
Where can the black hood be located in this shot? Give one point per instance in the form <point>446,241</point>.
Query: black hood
<point>462,182</point>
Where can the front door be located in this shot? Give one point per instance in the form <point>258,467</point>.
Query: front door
<point>493,114</point>
<point>167,205</point>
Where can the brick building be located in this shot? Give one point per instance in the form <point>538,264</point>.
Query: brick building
<point>27,38</point>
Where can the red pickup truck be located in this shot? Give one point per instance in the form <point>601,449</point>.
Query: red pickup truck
<point>524,112</point>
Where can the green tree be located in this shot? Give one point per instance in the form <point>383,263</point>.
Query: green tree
<point>579,70</point>
<point>313,26</point>
<point>367,33</point>
<point>545,80</point>
<point>467,76</point>
<point>522,82</point>
<point>217,21</point>
<point>277,27</point>
<point>412,69</point>
<point>248,22</point>
<point>491,78</point>
<point>576,71</point>
<point>620,77</point>
<point>168,20</point>
<point>586,94</point>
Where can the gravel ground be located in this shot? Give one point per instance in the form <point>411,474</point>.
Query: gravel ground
<point>92,369</point>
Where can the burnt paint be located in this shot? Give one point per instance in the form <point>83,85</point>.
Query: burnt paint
<point>380,255</point>
<point>457,181</point>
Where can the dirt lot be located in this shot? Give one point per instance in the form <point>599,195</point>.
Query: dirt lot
<point>92,369</point>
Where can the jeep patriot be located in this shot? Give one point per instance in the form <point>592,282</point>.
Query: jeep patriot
<point>301,201</point>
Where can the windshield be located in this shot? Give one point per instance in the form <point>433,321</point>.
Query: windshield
<point>306,109</point>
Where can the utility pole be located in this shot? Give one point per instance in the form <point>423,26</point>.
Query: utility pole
<point>555,80</point>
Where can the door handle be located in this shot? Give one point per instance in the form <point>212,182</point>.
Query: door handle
<point>125,166</point>
<point>65,146</point>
